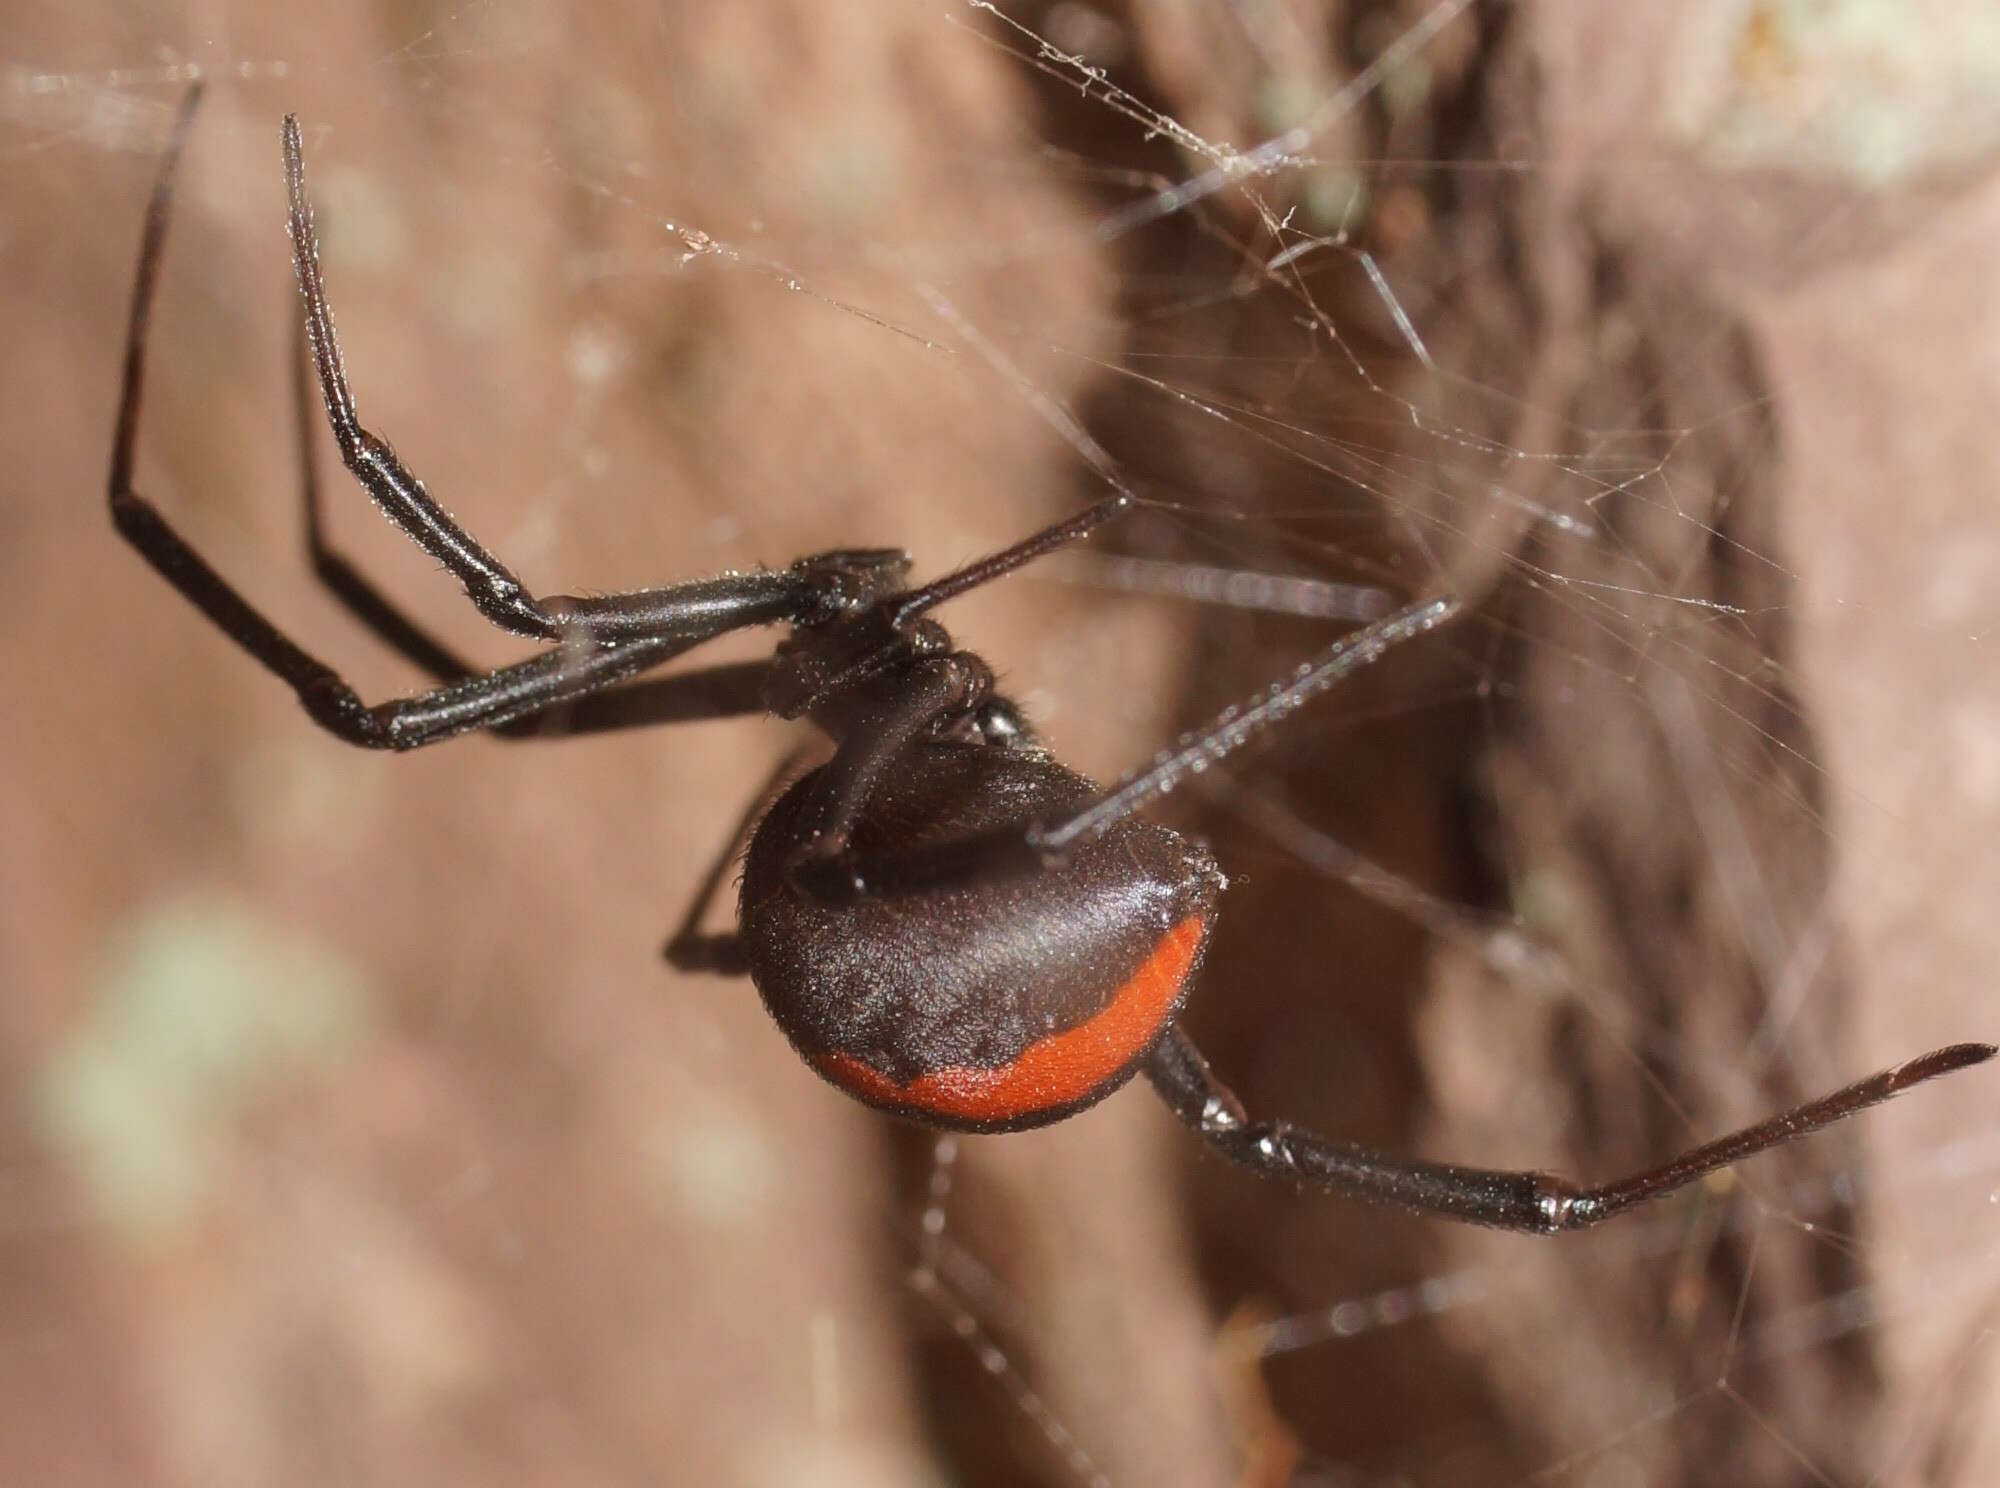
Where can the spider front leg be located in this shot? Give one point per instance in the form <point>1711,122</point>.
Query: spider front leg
<point>1535,1203</point>
<point>727,691</point>
<point>695,610</point>
<point>609,639</point>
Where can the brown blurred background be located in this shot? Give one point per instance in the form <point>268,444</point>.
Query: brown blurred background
<point>351,1128</point>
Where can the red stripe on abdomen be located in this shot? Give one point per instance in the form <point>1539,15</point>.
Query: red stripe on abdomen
<point>1050,1073</point>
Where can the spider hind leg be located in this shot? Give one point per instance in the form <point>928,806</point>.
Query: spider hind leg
<point>1530,1202</point>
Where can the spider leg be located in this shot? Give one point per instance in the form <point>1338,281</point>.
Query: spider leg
<point>690,948</point>
<point>1535,1203</point>
<point>356,593</point>
<point>561,675</point>
<point>716,692</point>
<point>930,690</point>
<point>1238,724</point>
<point>556,677</point>
<point>733,690</point>
<point>828,873</point>
<point>697,608</point>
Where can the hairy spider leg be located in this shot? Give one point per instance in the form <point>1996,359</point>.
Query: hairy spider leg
<point>1532,1202</point>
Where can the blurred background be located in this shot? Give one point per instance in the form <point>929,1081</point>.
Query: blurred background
<point>352,1129</point>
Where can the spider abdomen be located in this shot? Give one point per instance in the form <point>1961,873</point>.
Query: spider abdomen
<point>1008,1005</point>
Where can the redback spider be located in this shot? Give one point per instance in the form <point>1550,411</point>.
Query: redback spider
<point>946,922</point>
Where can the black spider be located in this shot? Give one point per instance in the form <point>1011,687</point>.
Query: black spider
<point>945,921</point>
